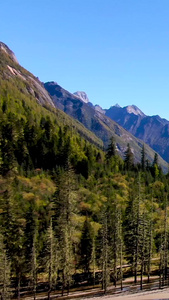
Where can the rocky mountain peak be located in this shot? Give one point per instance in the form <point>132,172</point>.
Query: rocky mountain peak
<point>117,105</point>
<point>99,109</point>
<point>9,52</point>
<point>133,109</point>
<point>82,95</point>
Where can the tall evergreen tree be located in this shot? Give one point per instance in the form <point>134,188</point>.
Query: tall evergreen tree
<point>155,161</point>
<point>132,226</point>
<point>34,263</point>
<point>129,158</point>
<point>51,257</point>
<point>111,150</point>
<point>143,160</point>
<point>5,272</point>
<point>64,208</point>
<point>105,254</point>
<point>155,166</point>
<point>6,148</point>
<point>86,246</point>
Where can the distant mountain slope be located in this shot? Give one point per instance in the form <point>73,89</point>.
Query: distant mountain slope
<point>97,122</point>
<point>153,130</point>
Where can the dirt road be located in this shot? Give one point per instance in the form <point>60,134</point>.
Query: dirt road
<point>153,295</point>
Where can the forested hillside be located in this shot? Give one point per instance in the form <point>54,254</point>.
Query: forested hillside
<point>71,214</point>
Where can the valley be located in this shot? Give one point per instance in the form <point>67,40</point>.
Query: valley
<point>83,202</point>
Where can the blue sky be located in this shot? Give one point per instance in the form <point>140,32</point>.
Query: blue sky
<point>117,51</point>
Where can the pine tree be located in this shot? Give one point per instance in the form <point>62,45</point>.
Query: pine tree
<point>6,148</point>
<point>143,160</point>
<point>111,150</point>
<point>64,207</point>
<point>86,246</point>
<point>5,271</point>
<point>51,250</point>
<point>150,237</point>
<point>13,239</point>
<point>51,257</point>
<point>34,263</point>
<point>105,272</point>
<point>155,166</point>
<point>164,246</point>
<point>132,227</point>
<point>29,233</point>
<point>155,161</point>
<point>129,158</point>
<point>143,243</point>
<point>93,258</point>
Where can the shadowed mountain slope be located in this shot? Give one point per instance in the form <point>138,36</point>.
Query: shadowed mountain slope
<point>97,122</point>
<point>153,130</point>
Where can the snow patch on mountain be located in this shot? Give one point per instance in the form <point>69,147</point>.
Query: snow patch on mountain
<point>82,95</point>
<point>133,109</point>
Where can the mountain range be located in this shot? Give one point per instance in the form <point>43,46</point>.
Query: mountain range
<point>105,123</point>
<point>92,122</point>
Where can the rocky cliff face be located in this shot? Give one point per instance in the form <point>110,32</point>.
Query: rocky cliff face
<point>10,70</point>
<point>8,52</point>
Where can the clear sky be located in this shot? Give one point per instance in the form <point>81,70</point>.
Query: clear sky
<point>117,51</point>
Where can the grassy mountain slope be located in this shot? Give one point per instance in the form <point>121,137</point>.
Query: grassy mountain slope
<point>20,86</point>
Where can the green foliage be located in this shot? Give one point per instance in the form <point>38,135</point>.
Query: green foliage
<point>5,280</point>
<point>143,158</point>
<point>129,158</point>
<point>86,244</point>
<point>29,141</point>
<point>64,202</point>
<point>111,150</point>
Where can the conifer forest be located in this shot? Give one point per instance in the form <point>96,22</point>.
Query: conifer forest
<point>72,214</point>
